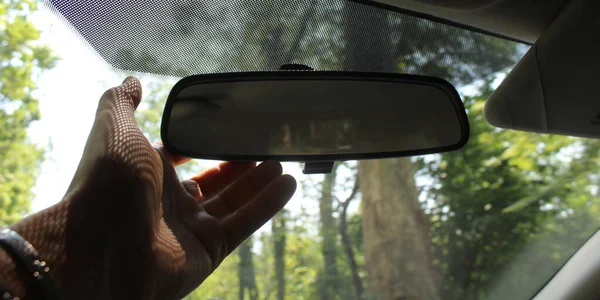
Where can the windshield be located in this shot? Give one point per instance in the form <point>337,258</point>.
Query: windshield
<point>494,220</point>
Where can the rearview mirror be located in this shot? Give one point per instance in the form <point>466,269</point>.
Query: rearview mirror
<point>312,116</point>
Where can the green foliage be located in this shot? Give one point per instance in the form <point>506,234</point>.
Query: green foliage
<point>302,262</point>
<point>491,201</point>
<point>246,275</point>
<point>223,284</point>
<point>22,59</point>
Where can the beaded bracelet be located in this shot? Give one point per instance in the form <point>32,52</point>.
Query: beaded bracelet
<point>27,257</point>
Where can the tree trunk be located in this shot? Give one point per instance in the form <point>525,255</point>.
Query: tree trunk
<point>398,254</point>
<point>397,250</point>
<point>347,245</point>
<point>279,238</point>
<point>246,274</point>
<point>329,279</point>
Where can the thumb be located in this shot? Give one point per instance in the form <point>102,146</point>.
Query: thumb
<point>123,98</point>
<point>115,130</point>
<point>115,135</point>
<point>115,126</point>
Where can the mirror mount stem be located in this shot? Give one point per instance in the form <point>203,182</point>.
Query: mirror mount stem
<point>318,167</point>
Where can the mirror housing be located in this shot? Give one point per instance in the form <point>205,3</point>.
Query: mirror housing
<point>312,116</point>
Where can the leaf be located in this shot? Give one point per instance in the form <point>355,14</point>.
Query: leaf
<point>22,57</point>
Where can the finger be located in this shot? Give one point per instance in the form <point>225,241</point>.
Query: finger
<point>209,232</point>
<point>249,218</point>
<point>242,190</point>
<point>174,160</point>
<point>179,160</point>
<point>115,134</point>
<point>192,188</point>
<point>214,180</point>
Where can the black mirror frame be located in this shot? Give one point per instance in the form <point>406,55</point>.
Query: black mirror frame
<point>439,83</point>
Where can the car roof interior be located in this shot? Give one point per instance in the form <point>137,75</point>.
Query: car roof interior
<point>516,19</point>
<point>539,91</point>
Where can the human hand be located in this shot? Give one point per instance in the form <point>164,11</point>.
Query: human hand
<point>128,229</point>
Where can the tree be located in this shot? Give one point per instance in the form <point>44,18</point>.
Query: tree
<point>397,247</point>
<point>347,243</point>
<point>21,62</point>
<point>467,219</point>
<point>246,274</point>
<point>222,283</point>
<point>279,232</point>
<point>398,251</point>
<point>329,283</point>
<point>504,199</point>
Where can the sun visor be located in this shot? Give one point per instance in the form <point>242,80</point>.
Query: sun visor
<point>554,89</point>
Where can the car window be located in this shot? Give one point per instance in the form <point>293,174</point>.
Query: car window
<point>494,220</point>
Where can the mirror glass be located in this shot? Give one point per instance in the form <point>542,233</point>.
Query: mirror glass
<point>310,116</point>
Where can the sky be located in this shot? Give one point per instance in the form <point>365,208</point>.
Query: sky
<point>68,96</point>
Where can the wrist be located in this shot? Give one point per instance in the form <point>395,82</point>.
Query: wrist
<point>15,278</point>
<point>10,276</point>
<point>45,232</point>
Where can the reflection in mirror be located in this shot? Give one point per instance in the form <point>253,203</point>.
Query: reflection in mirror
<point>313,117</point>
